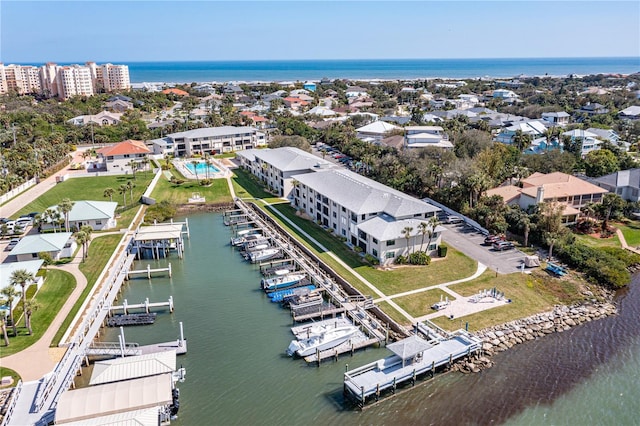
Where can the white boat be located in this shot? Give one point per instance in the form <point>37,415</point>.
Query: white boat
<point>281,281</point>
<point>248,245</point>
<point>247,236</point>
<point>323,341</point>
<point>266,254</point>
<point>258,247</point>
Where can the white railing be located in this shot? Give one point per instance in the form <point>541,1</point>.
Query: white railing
<point>17,190</point>
<point>14,400</point>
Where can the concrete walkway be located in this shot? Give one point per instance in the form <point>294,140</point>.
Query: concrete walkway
<point>39,359</point>
<point>624,244</point>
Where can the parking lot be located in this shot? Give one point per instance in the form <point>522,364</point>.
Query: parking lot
<point>469,241</point>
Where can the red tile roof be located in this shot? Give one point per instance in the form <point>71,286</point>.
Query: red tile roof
<point>126,147</point>
<point>175,91</point>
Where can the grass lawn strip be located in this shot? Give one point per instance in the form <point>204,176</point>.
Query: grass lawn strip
<point>529,294</point>
<point>51,297</point>
<point>100,250</point>
<point>92,188</point>
<point>596,242</point>
<point>246,185</point>
<point>4,372</point>
<point>420,304</point>
<point>631,232</point>
<point>216,193</point>
<point>393,313</point>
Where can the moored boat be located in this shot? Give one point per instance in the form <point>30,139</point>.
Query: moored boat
<point>266,254</point>
<point>281,281</point>
<point>326,339</point>
<point>244,236</point>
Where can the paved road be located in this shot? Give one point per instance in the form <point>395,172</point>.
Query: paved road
<point>469,241</point>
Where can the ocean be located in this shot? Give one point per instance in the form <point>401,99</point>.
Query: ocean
<point>302,70</point>
<point>238,373</point>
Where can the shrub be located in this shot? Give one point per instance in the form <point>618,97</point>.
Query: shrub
<point>358,249</point>
<point>401,260</point>
<point>442,250</point>
<point>160,212</point>
<point>205,182</point>
<point>372,260</point>
<point>602,266</point>
<point>419,258</point>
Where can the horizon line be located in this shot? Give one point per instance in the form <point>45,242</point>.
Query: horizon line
<point>315,60</point>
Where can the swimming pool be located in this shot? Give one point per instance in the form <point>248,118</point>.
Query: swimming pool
<point>201,168</point>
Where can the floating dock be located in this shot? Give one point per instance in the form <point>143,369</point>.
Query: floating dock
<point>146,305</point>
<point>131,319</point>
<point>413,357</point>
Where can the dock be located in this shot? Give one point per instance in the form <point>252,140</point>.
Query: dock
<point>146,305</point>
<point>131,319</point>
<point>149,271</point>
<point>122,348</point>
<point>413,358</point>
<point>160,239</point>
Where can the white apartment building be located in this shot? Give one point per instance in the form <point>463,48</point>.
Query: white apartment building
<point>212,140</point>
<point>64,81</point>
<point>426,136</point>
<point>20,78</point>
<point>275,167</point>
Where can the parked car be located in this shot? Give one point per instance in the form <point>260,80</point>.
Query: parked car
<point>12,243</point>
<point>503,245</point>
<point>32,214</point>
<point>493,239</point>
<point>24,221</point>
<point>454,219</point>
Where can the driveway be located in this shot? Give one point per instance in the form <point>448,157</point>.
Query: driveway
<point>469,241</point>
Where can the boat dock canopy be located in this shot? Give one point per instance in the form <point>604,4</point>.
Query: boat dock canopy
<point>146,417</point>
<point>162,231</point>
<point>114,398</point>
<point>133,367</point>
<point>409,347</point>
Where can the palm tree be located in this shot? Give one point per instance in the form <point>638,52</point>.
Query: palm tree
<point>406,232</point>
<point>433,223</point>
<point>145,162</point>
<point>21,277</point>
<point>9,294</point>
<point>521,140</point>
<point>207,161</point>
<point>423,228</point>
<point>130,185</point>
<point>3,327</point>
<point>195,168</point>
<point>122,189</point>
<point>525,224</point>
<point>108,192</point>
<point>82,238</point>
<point>65,206</point>
<point>29,307</point>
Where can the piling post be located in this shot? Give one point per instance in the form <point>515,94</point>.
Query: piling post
<point>124,306</point>
<point>146,305</point>
<point>149,271</point>
<point>393,389</point>
<point>121,346</point>
<point>362,395</point>
<point>171,304</point>
<point>318,356</point>
<point>413,378</point>
<point>181,332</point>
<point>186,222</point>
<point>346,367</point>
<point>169,270</point>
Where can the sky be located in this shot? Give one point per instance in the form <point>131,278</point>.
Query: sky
<point>130,31</point>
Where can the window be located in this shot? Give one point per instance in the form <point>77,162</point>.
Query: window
<point>344,233</point>
<point>363,217</point>
<point>335,215</point>
<point>432,247</point>
<point>374,241</point>
<point>344,210</point>
<point>390,254</point>
<point>391,243</point>
<point>374,252</point>
<point>98,222</point>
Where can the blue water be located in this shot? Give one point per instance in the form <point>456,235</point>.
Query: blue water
<point>181,72</point>
<point>201,168</point>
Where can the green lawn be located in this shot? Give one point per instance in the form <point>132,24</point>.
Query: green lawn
<point>393,313</point>
<point>53,294</point>
<point>631,232</point>
<point>92,188</point>
<point>420,304</point>
<point>246,185</point>
<point>217,193</point>
<point>9,372</point>
<point>596,242</point>
<point>529,294</point>
<point>100,250</point>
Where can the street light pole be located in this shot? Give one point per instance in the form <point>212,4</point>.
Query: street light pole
<point>13,127</point>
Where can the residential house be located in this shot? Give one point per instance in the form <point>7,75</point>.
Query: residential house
<point>560,118</point>
<point>355,92</point>
<point>588,141</point>
<point>214,140</point>
<point>321,111</point>
<point>310,86</point>
<point>118,105</point>
<point>426,136</point>
<point>176,92</point>
<point>610,135</point>
<point>625,183</point>
<point>59,245</point>
<point>275,167</point>
<point>592,109</point>
<point>534,128</point>
<point>294,103</point>
<point>376,131</point>
<point>630,113</point>
<point>396,119</point>
<point>368,214</point>
<point>504,94</point>
<point>31,266</point>
<point>103,118</point>
<point>99,215</point>
<point>119,157</point>
<point>557,187</point>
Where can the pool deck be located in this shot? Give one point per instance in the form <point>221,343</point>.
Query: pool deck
<point>181,165</point>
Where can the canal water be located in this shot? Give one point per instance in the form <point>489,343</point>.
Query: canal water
<point>238,373</point>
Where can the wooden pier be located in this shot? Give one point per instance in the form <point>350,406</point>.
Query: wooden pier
<point>122,348</point>
<point>160,239</point>
<point>146,305</point>
<point>149,271</point>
